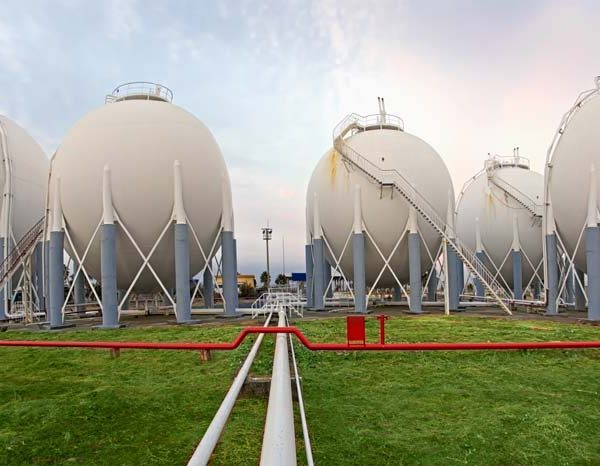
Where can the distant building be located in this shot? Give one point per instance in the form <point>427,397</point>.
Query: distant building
<point>248,280</point>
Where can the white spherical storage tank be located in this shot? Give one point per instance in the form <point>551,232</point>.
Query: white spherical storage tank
<point>576,153</point>
<point>139,135</point>
<point>24,174</point>
<point>382,141</point>
<point>505,202</point>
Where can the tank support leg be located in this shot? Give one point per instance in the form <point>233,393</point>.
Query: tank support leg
<point>125,305</point>
<point>328,279</point>
<point>3,315</point>
<point>397,294</point>
<point>452,271</point>
<point>552,285</point>
<point>358,262</point>
<point>108,272</point>
<point>235,271</point>
<point>479,288</point>
<point>182,273</point>
<point>570,292</point>
<point>318,274</point>
<point>39,271</point>
<point>56,286</point>
<point>592,252</point>
<point>579,296</point>
<point>229,274</point>
<point>460,276</point>
<point>207,287</point>
<point>517,270</point>
<point>432,286</point>
<point>414,264</point>
<point>79,292</point>
<point>536,289</point>
<point>309,275</point>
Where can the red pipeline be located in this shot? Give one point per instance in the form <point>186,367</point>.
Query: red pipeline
<point>479,346</point>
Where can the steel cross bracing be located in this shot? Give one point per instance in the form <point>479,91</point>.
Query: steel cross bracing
<point>392,178</point>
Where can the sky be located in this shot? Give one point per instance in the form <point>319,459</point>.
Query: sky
<point>272,79</point>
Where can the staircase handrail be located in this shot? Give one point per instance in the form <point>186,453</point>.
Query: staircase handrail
<point>20,250</point>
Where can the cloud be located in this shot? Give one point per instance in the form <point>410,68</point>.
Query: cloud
<point>124,19</point>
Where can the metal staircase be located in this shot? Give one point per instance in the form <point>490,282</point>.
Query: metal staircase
<point>390,177</point>
<point>495,162</point>
<point>23,249</point>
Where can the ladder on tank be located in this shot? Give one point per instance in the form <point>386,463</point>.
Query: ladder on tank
<point>391,177</point>
<point>523,199</point>
<point>23,249</point>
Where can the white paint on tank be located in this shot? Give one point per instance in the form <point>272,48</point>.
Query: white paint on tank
<point>29,167</point>
<point>497,212</point>
<point>577,150</point>
<point>139,140</point>
<point>385,213</point>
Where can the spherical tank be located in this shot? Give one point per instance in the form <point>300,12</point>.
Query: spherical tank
<point>139,139</point>
<point>28,166</point>
<point>577,150</point>
<point>507,191</point>
<point>385,212</point>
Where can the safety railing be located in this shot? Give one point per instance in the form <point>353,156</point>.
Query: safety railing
<point>393,178</point>
<point>354,123</point>
<point>20,251</point>
<point>140,90</point>
<point>527,202</point>
<point>269,302</point>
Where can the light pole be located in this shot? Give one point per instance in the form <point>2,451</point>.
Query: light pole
<point>267,235</point>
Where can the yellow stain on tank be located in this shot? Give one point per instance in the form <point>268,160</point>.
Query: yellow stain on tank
<point>333,159</point>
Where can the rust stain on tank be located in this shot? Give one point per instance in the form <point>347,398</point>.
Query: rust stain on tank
<point>332,165</point>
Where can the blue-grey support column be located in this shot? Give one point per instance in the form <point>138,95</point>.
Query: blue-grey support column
<point>579,295</point>
<point>46,254</point>
<point>237,296</point>
<point>452,270</point>
<point>108,272</point>
<point>208,287</point>
<point>517,270</point>
<point>592,249</point>
<point>517,261</point>
<point>79,291</point>
<point>318,274</point>
<point>536,289</point>
<point>432,286</point>
<point>328,279</point>
<point>108,257</point>
<point>56,280</point>
<point>182,273</point>
<point>358,262</point>
<point>397,293</point>
<point>452,260</point>
<point>3,315</point>
<point>309,275</point>
<point>552,273</point>
<point>39,273</point>
<point>569,289</point>
<point>228,254</point>
<point>479,288</point>
<point>592,255</point>
<point>229,278</point>
<point>460,275</point>
<point>414,263</point>
<point>319,259</point>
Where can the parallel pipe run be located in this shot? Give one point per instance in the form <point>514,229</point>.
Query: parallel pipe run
<point>279,440</point>
<point>476,346</point>
<point>211,437</point>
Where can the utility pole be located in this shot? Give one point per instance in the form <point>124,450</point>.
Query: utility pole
<point>267,236</point>
<point>283,253</point>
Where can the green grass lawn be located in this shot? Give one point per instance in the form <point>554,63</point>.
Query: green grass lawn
<point>66,406</point>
